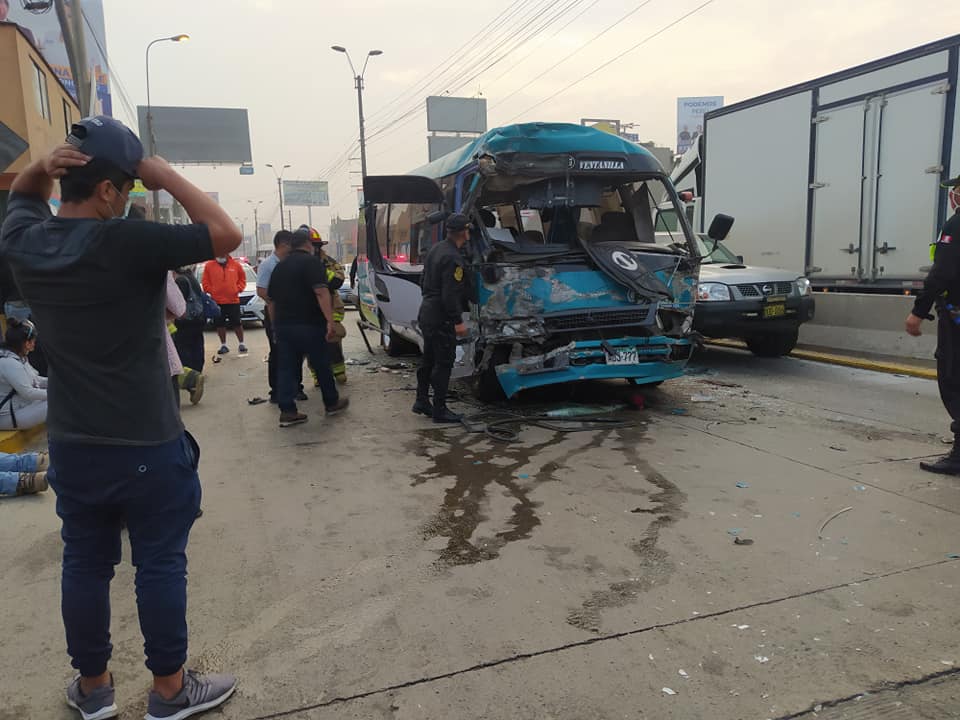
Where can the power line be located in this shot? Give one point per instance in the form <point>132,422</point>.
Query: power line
<point>570,55</point>
<point>466,47</point>
<point>458,67</point>
<point>617,57</point>
<point>419,108</point>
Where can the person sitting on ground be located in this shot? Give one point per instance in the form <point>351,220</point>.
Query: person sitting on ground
<point>188,335</point>
<point>225,279</point>
<point>23,392</point>
<point>183,378</point>
<point>24,473</point>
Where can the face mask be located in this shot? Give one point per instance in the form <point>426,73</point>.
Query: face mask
<point>222,260</point>
<point>126,208</point>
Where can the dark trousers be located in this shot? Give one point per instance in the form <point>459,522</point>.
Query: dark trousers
<point>294,342</point>
<point>188,339</point>
<point>156,491</point>
<point>439,353</point>
<point>948,368</point>
<point>272,359</point>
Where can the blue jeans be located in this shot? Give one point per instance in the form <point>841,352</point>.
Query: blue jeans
<point>294,342</point>
<point>156,491</point>
<point>10,468</point>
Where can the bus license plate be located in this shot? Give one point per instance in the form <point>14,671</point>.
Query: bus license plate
<point>628,356</point>
<point>774,311</point>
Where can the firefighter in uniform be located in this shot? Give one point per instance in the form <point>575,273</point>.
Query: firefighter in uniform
<point>942,288</point>
<point>335,278</point>
<point>446,294</point>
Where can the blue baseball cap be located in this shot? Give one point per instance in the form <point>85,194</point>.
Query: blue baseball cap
<point>107,139</point>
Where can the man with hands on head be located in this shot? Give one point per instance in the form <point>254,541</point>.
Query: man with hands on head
<point>116,440</point>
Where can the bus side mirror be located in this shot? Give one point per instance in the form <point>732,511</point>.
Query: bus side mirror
<point>720,227</point>
<point>436,217</point>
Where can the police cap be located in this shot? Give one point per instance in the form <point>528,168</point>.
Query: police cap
<point>458,222</point>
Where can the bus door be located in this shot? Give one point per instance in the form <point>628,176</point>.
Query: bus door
<point>398,237</point>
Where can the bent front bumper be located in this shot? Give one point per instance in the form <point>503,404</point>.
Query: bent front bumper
<point>660,358</point>
<point>738,318</point>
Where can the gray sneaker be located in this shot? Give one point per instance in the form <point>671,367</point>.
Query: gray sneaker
<point>199,694</point>
<point>99,704</point>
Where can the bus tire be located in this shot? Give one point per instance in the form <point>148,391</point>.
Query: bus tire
<point>394,344</point>
<point>488,387</point>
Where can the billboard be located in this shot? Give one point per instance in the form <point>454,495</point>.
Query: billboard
<point>440,145</point>
<point>306,193</point>
<point>454,114</point>
<point>199,136</point>
<point>690,112</point>
<point>43,27</point>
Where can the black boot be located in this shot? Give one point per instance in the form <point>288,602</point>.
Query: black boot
<point>947,465</point>
<point>423,407</point>
<point>443,415</point>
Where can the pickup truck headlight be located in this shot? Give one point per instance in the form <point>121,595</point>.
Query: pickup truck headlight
<point>803,285</point>
<point>709,292</point>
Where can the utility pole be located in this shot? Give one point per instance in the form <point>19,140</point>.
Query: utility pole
<point>75,41</point>
<point>153,137</point>
<point>256,223</point>
<point>279,177</point>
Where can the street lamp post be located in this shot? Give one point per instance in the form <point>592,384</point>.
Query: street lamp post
<point>358,82</point>
<point>279,177</point>
<point>153,138</point>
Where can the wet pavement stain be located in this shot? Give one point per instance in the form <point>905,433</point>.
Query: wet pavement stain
<point>479,467</point>
<point>656,567</point>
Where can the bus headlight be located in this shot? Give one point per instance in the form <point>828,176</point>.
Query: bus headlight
<point>712,292</point>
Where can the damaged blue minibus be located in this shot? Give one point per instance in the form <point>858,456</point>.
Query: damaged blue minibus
<point>568,281</point>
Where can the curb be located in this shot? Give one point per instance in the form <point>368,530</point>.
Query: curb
<point>848,361</point>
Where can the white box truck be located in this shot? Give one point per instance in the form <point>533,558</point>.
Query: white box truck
<point>838,178</point>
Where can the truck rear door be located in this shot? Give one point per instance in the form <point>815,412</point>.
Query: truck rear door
<point>907,194</point>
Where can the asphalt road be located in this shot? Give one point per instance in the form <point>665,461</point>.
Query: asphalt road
<point>373,565</point>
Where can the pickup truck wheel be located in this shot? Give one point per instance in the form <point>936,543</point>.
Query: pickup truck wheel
<point>772,344</point>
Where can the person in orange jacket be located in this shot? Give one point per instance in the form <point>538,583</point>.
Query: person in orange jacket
<point>224,280</point>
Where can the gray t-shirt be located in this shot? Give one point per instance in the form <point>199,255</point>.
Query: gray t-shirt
<point>97,292</point>
<point>265,270</point>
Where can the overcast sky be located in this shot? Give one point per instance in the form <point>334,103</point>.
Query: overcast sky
<point>273,57</point>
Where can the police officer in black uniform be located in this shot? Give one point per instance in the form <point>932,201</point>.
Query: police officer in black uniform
<point>942,288</point>
<point>446,294</point>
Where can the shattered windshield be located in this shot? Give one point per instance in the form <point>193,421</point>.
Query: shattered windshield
<point>563,215</point>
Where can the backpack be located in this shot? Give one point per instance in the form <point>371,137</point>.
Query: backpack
<point>193,296</point>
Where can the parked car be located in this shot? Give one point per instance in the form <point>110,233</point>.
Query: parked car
<point>252,306</point>
<point>762,306</point>
<point>347,294</point>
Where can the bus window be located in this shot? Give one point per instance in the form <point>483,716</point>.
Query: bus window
<point>398,233</point>
<point>423,234</point>
<point>382,239</point>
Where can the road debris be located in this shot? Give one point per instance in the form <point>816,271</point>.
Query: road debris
<point>838,448</point>
<point>356,361</point>
<point>831,519</point>
<point>742,541</point>
<point>256,401</point>
<point>743,485</point>
<point>668,691</point>
<point>860,488</point>
<point>734,531</point>
<point>761,659</point>
<point>702,398</point>
<point>678,411</point>
<point>741,627</point>
<point>683,674</point>
<point>583,410</point>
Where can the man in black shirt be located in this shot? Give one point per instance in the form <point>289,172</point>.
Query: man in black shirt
<point>117,447</point>
<point>942,288</point>
<point>445,299</point>
<point>303,320</point>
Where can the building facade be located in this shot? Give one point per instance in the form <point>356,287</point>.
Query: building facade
<point>36,112</point>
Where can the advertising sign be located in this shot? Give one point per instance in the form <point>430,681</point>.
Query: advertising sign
<point>198,136</point>
<point>43,27</point>
<point>456,114</point>
<point>690,112</point>
<point>306,193</point>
